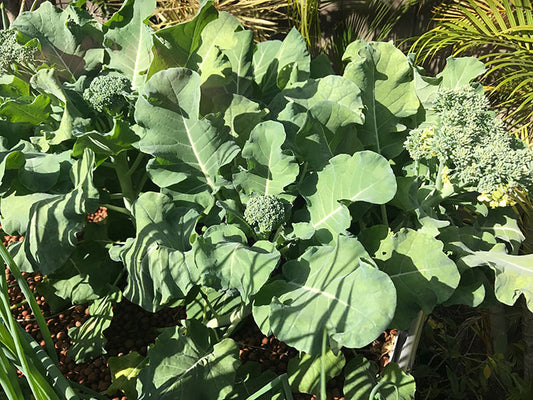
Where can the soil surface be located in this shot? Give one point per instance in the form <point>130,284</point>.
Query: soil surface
<point>134,329</point>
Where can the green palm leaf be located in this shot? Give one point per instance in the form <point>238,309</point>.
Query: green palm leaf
<point>498,32</point>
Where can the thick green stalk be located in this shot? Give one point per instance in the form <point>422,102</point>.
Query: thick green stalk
<point>121,210</point>
<point>376,388</point>
<point>136,163</point>
<point>5,24</point>
<point>323,394</point>
<point>404,353</point>
<point>282,380</point>
<point>438,183</point>
<point>384,217</point>
<point>124,177</point>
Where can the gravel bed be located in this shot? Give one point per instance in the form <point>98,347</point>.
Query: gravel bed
<point>134,329</point>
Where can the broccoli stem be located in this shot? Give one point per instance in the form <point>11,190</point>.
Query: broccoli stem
<point>117,209</point>
<point>122,170</point>
<point>136,164</point>
<point>438,183</point>
<point>384,216</point>
<point>5,24</point>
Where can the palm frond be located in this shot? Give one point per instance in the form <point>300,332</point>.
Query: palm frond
<point>304,15</point>
<point>500,33</point>
<point>361,19</point>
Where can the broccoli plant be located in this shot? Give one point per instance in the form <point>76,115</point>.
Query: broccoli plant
<point>108,93</point>
<point>265,213</point>
<point>14,56</point>
<point>473,149</point>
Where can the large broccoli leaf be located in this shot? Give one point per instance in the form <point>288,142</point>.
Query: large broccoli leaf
<point>270,169</point>
<point>305,370</point>
<point>70,39</point>
<point>331,288</point>
<point>422,274</point>
<point>225,261</point>
<point>365,176</point>
<point>129,40</point>
<point>384,76</point>
<point>156,259</point>
<point>276,64</point>
<point>176,46</point>
<point>188,363</point>
<point>361,380</point>
<point>168,109</point>
<point>55,221</point>
<point>514,274</point>
<point>88,340</point>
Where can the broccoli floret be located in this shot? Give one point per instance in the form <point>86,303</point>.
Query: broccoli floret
<point>14,55</point>
<point>108,93</point>
<point>265,213</point>
<point>472,143</point>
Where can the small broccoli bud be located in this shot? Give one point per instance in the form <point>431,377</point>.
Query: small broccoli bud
<point>107,93</point>
<point>14,55</point>
<point>265,213</point>
<point>420,144</point>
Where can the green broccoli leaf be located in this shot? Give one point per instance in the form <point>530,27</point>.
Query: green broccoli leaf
<point>332,288</point>
<point>305,371</point>
<point>88,340</point>
<point>168,110</point>
<point>124,371</point>
<point>129,40</point>
<point>242,115</point>
<point>55,221</point>
<point>187,362</point>
<point>270,169</point>
<point>276,64</point>
<point>383,74</point>
<point>365,176</point>
<point>225,261</point>
<point>361,380</point>
<point>70,39</point>
<point>156,259</point>
<point>514,274</point>
<point>422,274</point>
<point>35,112</point>
<point>176,46</point>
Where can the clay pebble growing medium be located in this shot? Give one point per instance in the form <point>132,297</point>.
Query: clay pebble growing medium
<point>134,329</point>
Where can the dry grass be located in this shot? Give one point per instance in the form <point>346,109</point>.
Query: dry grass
<point>264,17</point>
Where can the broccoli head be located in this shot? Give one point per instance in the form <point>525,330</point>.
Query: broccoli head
<point>107,93</point>
<point>14,55</point>
<point>265,213</point>
<point>473,144</point>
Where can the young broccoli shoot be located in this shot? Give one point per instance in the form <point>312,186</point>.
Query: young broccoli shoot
<point>107,93</point>
<point>265,213</point>
<point>474,147</point>
<point>14,55</point>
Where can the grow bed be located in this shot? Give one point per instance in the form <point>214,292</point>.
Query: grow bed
<point>133,329</point>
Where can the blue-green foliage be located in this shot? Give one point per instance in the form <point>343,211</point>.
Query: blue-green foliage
<point>108,93</point>
<point>12,53</point>
<point>473,144</point>
<point>265,214</point>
